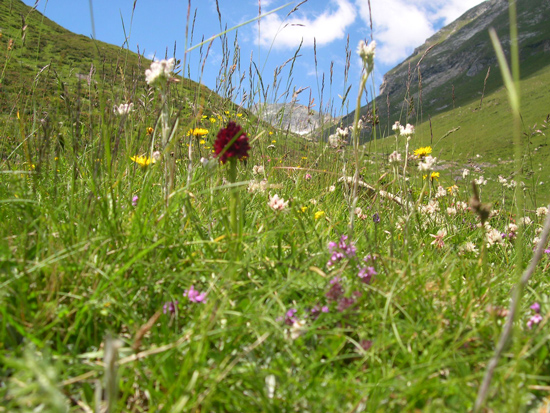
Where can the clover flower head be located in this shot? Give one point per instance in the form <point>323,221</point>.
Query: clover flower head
<point>194,295</point>
<point>276,203</point>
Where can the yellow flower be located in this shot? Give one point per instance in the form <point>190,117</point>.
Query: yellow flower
<point>239,115</point>
<point>142,160</point>
<point>149,130</point>
<point>213,120</point>
<point>204,116</point>
<point>319,214</point>
<point>270,132</point>
<point>227,112</point>
<point>197,132</point>
<point>304,209</point>
<point>434,175</point>
<point>422,152</point>
<point>453,189</point>
<point>202,142</point>
<point>304,157</point>
<point>273,141</point>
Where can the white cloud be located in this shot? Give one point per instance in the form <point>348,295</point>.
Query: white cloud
<point>324,28</point>
<point>402,25</point>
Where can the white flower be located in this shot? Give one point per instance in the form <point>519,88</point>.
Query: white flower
<point>465,173</point>
<point>276,203</point>
<point>332,188</point>
<point>366,52</point>
<point>397,127</point>
<point>258,169</point>
<point>342,133</point>
<point>124,109</point>
<point>297,329</point>
<point>502,180</point>
<point>493,236</point>
<point>438,238</point>
<point>451,211</point>
<point>156,156</point>
<point>427,163</point>
<point>407,130</point>
<point>255,186</point>
<point>462,205</point>
<point>270,383</point>
<point>525,221</point>
<point>512,227</point>
<point>358,211</point>
<point>160,69</point>
<point>440,192</point>
<point>431,208</point>
<point>394,157</point>
<point>542,212</point>
<point>480,181</point>
<point>467,247</point>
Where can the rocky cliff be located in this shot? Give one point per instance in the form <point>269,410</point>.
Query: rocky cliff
<point>452,67</point>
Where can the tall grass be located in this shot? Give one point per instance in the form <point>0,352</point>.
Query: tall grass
<point>101,263</point>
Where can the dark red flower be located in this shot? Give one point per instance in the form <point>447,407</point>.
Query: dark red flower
<point>238,149</point>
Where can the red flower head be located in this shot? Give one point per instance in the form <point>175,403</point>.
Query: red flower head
<point>238,149</point>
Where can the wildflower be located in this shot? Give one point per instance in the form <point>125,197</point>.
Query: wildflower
<point>142,161</point>
<point>465,173</point>
<point>480,181</point>
<point>395,157</point>
<point>289,316</point>
<point>535,307</point>
<point>331,188</point>
<point>433,175</point>
<point>438,238</point>
<point>525,221</point>
<point>303,209</point>
<point>124,109</point>
<point>255,186</point>
<point>231,143</point>
<point>376,218</point>
<point>258,169</point>
<point>297,329</point>
<point>366,53</point>
<point>453,190</point>
<point>194,296</point>
<point>149,131</point>
<point>542,212</point>
<point>535,319</point>
<point>336,290</point>
<point>366,274</point>
<point>451,211</point>
<point>319,214</point>
<point>422,152</point>
<point>135,200</point>
<point>340,250</point>
<point>308,177</point>
<point>197,132</point>
<point>427,163</point>
<point>366,344</point>
<point>156,156</point>
<point>345,303</point>
<point>493,236</point>
<point>170,307</point>
<point>342,133</point>
<point>276,203</point>
<point>440,191</point>
<point>159,70</point>
<point>467,247</point>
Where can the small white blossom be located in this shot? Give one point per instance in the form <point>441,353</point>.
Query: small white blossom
<point>467,247</point>
<point>427,163</point>
<point>332,188</point>
<point>159,70</point>
<point>124,109</point>
<point>276,203</point>
<point>367,52</point>
<point>258,170</point>
<point>297,329</point>
<point>156,156</point>
<point>451,211</point>
<point>394,157</point>
<point>440,192</point>
<point>465,173</point>
<point>462,205</point>
<point>480,181</point>
<point>525,221</point>
<point>256,186</point>
<point>493,236</point>
<point>542,211</point>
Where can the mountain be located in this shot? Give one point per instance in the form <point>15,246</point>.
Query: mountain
<point>297,118</point>
<point>457,64</point>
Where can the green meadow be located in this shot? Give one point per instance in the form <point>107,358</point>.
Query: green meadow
<point>180,255</point>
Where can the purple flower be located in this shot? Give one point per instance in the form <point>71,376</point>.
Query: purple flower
<point>170,307</point>
<point>194,296</point>
<point>537,318</point>
<point>289,317</point>
<point>324,309</point>
<point>345,303</point>
<point>535,307</point>
<point>376,218</point>
<point>547,251</point>
<point>336,291</point>
<point>340,250</point>
<point>308,177</point>
<point>366,274</point>
<point>135,200</point>
<point>366,344</point>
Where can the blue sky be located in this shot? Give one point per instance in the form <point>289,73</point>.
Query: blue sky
<point>155,26</point>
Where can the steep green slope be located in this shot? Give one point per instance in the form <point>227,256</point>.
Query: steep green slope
<point>38,57</point>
